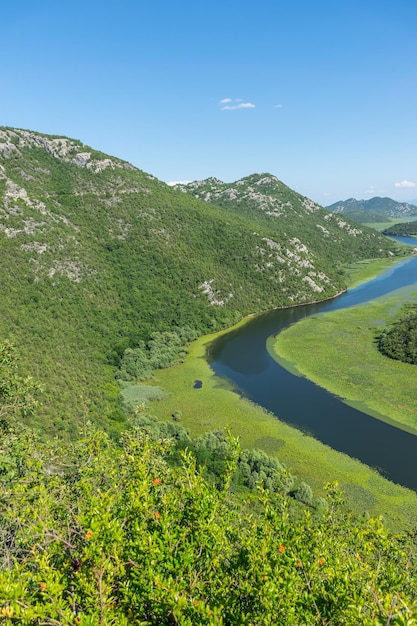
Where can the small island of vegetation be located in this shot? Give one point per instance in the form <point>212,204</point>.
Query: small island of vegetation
<point>400,340</point>
<point>402,229</point>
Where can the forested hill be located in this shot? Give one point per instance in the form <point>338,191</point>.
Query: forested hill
<point>298,223</point>
<point>96,255</point>
<point>373,210</point>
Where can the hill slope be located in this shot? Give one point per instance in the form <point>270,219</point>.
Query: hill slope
<point>373,210</point>
<point>301,227</point>
<point>96,255</point>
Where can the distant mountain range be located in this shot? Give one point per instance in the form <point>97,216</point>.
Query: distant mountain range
<point>374,210</point>
<point>96,255</point>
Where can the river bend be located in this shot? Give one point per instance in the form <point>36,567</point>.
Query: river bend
<point>241,357</point>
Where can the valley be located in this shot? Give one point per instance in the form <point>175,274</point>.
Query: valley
<point>141,481</point>
<point>96,255</point>
<point>98,258</point>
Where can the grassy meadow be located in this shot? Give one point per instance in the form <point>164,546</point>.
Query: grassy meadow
<point>387,223</point>
<point>381,225</point>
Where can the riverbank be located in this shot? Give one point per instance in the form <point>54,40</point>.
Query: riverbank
<point>337,351</point>
<point>362,271</point>
<point>215,404</point>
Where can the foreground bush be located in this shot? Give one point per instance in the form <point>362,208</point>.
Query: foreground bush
<point>113,535</point>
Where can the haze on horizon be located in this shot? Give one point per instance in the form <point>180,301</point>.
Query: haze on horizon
<point>320,95</point>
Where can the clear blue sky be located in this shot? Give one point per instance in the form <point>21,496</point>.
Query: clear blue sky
<point>321,94</point>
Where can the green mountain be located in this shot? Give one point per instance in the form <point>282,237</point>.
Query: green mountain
<point>373,210</point>
<point>301,228</point>
<point>97,255</point>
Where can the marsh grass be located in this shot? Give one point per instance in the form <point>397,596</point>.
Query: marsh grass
<point>362,271</point>
<point>133,396</point>
<point>381,225</point>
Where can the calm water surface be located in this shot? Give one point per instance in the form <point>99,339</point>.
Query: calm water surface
<point>241,357</point>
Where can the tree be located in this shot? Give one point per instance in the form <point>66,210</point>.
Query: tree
<point>18,394</point>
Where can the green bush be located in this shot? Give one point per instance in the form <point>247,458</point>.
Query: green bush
<point>400,341</point>
<point>303,493</point>
<point>101,534</point>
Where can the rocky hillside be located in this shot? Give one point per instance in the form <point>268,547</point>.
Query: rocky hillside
<point>96,255</point>
<point>373,210</point>
<point>306,240</point>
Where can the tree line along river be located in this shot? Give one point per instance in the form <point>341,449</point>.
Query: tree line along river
<point>241,356</point>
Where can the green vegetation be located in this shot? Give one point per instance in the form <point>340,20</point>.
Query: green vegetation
<point>299,223</point>
<point>162,350</point>
<point>216,404</point>
<point>213,455</point>
<point>348,363</point>
<point>362,271</point>
<point>402,229</point>
<point>18,395</point>
<point>133,396</point>
<point>380,226</point>
<point>97,256</point>
<point>98,533</point>
<point>115,535</point>
<point>400,340</point>
<point>107,275</point>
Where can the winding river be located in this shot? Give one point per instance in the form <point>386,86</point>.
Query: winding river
<point>241,356</point>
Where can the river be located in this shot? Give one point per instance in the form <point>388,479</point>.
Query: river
<point>241,356</point>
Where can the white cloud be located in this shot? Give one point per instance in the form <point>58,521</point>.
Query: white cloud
<point>178,182</point>
<point>278,106</point>
<point>237,104</point>
<point>371,190</point>
<point>405,184</point>
<point>225,100</point>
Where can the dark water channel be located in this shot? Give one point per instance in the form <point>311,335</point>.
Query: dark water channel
<point>241,357</point>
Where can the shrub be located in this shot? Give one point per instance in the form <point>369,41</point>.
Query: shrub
<point>102,534</point>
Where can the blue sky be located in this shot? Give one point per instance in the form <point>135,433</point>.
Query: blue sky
<point>322,94</point>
